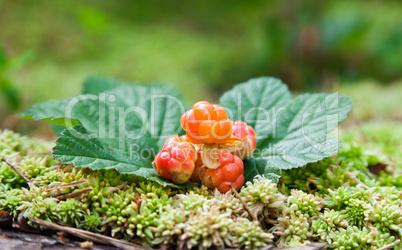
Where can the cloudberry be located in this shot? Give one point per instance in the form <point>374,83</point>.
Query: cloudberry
<point>176,161</point>
<point>230,171</point>
<point>206,123</point>
<point>246,133</point>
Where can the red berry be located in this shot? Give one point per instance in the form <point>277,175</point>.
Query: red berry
<point>176,161</point>
<point>245,133</point>
<point>206,123</point>
<point>171,140</point>
<point>230,172</point>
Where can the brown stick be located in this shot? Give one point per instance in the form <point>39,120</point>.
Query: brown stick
<point>67,168</point>
<point>17,171</point>
<point>74,194</point>
<point>312,218</point>
<point>389,246</point>
<point>355,179</point>
<point>86,235</point>
<point>244,204</point>
<point>68,185</point>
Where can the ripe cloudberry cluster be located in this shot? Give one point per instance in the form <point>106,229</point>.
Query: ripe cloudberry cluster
<point>207,151</point>
<point>206,123</point>
<point>176,161</point>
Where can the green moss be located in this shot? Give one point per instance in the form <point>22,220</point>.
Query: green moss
<point>342,197</point>
<point>326,223</point>
<point>357,212</point>
<point>262,191</point>
<point>248,234</point>
<point>303,203</point>
<point>293,229</point>
<point>387,218</point>
<point>355,238</point>
<point>10,200</point>
<point>91,223</point>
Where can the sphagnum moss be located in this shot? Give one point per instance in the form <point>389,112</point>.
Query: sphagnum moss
<point>355,238</point>
<point>304,203</point>
<point>341,212</point>
<point>387,218</point>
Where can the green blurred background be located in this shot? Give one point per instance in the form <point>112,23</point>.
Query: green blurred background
<point>203,47</point>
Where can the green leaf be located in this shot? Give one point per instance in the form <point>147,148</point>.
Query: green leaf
<point>260,166</point>
<point>302,130</point>
<point>92,85</point>
<point>79,147</point>
<point>255,100</point>
<point>124,110</point>
<point>53,111</point>
<point>113,126</point>
<point>290,132</point>
<point>95,84</point>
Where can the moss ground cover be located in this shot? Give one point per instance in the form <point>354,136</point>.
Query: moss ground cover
<point>351,200</point>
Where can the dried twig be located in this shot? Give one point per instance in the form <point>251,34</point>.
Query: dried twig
<point>312,218</point>
<point>67,168</point>
<point>61,238</point>
<point>74,194</point>
<point>17,171</point>
<point>244,204</point>
<point>86,244</point>
<point>355,179</point>
<point>123,186</point>
<point>389,246</point>
<point>86,235</point>
<point>309,246</point>
<point>68,185</point>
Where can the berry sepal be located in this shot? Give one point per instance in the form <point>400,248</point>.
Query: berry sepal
<point>210,152</point>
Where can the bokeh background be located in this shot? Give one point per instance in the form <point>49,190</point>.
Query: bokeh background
<point>203,47</point>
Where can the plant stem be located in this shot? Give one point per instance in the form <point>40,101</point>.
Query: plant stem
<point>389,246</point>
<point>74,194</point>
<point>355,179</point>
<point>86,235</point>
<point>17,171</point>
<point>244,204</point>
